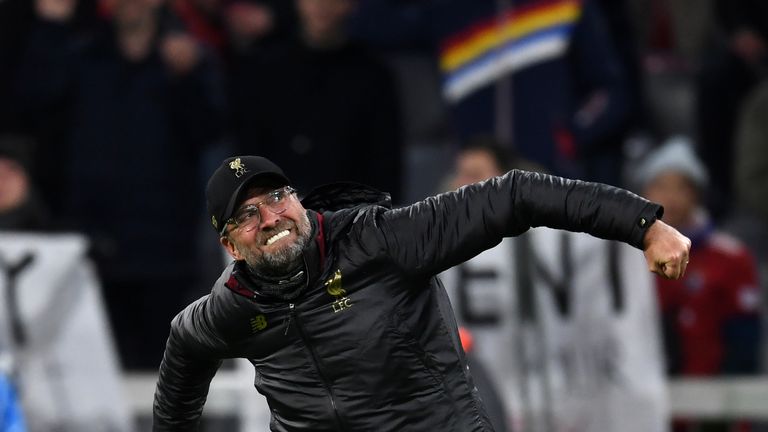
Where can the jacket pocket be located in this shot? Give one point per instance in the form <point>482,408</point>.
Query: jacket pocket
<point>409,341</point>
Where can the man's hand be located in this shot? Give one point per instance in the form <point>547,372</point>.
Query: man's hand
<point>666,250</point>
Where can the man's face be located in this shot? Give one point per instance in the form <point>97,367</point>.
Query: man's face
<point>14,184</point>
<point>677,194</point>
<point>273,243</point>
<point>128,13</point>
<point>473,166</point>
<point>321,18</point>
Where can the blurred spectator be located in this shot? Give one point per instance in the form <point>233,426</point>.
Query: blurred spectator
<point>16,20</point>
<point>729,72</point>
<point>711,315</point>
<point>751,156</point>
<point>541,75</point>
<point>142,105</point>
<point>321,104</point>
<point>623,32</point>
<point>750,223</point>
<point>21,207</point>
<point>204,20</point>
<point>671,33</point>
<point>11,418</point>
<point>235,26</point>
<point>252,24</point>
<point>671,36</point>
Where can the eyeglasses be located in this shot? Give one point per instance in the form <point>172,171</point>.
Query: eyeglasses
<point>250,215</point>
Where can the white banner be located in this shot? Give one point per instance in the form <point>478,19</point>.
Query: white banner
<point>55,338</point>
<point>577,348</point>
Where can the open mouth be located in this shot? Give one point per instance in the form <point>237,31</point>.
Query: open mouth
<point>277,237</point>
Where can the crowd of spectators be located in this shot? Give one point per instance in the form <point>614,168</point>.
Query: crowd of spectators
<point>112,112</point>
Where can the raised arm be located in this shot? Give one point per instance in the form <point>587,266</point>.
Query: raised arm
<point>450,228</point>
<point>185,374</point>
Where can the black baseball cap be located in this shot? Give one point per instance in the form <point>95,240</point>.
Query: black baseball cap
<point>229,181</point>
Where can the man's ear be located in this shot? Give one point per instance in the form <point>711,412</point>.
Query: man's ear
<point>230,247</point>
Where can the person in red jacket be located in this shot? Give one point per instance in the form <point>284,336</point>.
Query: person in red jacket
<point>711,315</point>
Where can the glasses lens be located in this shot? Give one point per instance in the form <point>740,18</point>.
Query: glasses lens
<point>276,202</point>
<point>247,216</point>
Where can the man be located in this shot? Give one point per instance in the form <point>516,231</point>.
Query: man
<point>711,316</point>
<point>335,302</point>
<point>305,102</point>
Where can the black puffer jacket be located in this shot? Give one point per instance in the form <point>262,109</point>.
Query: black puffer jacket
<point>371,343</point>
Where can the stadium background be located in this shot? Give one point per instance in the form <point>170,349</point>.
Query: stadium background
<point>113,112</point>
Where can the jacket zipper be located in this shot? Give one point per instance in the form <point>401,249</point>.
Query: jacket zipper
<point>294,317</point>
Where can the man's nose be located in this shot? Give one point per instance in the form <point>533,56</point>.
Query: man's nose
<point>267,218</point>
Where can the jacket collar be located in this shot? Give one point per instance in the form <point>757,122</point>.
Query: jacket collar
<point>341,195</point>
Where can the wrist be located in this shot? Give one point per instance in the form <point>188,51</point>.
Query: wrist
<point>643,222</point>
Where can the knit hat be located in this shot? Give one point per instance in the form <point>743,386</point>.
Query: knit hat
<point>675,154</point>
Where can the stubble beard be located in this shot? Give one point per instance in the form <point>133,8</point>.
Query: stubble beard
<point>284,260</point>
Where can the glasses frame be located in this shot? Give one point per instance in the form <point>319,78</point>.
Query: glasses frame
<point>285,191</point>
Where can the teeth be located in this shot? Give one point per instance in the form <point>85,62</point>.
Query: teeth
<point>277,237</point>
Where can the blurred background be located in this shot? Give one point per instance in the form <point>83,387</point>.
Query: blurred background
<point>114,112</point>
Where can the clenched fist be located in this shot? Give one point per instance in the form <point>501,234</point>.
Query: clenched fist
<point>666,250</point>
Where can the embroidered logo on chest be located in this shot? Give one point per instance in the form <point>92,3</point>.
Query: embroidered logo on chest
<point>333,287</point>
<point>258,323</point>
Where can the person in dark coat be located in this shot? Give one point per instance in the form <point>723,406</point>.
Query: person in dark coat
<point>142,105</point>
<point>729,72</point>
<point>320,104</point>
<point>334,298</point>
